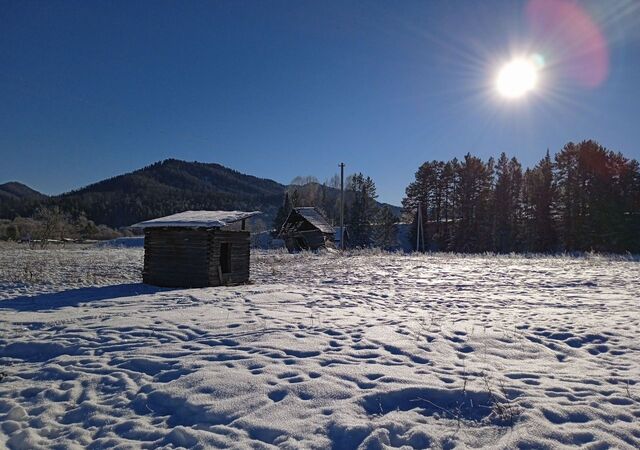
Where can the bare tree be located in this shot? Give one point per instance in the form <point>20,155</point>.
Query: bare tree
<point>53,224</point>
<point>303,180</point>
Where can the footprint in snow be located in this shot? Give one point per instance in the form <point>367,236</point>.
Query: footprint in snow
<point>466,349</point>
<point>277,395</point>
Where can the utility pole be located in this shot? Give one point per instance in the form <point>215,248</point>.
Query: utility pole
<point>341,206</point>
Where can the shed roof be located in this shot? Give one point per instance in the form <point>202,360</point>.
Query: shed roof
<point>197,219</point>
<point>315,218</point>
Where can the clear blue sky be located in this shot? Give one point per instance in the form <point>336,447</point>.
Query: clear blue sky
<point>91,89</point>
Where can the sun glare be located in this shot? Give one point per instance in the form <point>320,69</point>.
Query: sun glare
<point>517,78</point>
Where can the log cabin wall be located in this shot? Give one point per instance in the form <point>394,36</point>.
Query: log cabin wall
<point>176,257</point>
<point>238,249</point>
<point>191,257</point>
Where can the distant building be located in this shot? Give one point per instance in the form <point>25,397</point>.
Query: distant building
<point>306,229</point>
<point>196,249</point>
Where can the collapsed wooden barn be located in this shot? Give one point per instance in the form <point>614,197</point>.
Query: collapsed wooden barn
<point>306,229</point>
<point>197,249</point>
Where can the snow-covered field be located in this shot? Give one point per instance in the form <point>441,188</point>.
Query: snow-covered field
<point>321,351</point>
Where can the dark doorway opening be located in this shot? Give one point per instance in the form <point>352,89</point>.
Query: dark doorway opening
<point>225,257</point>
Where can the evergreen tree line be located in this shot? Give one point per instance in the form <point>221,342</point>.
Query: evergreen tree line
<point>586,198</point>
<point>367,222</point>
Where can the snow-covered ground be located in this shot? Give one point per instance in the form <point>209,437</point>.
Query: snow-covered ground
<point>321,351</point>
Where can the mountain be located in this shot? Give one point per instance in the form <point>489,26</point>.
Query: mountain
<point>168,187</point>
<point>17,199</point>
<point>14,190</point>
<point>164,188</point>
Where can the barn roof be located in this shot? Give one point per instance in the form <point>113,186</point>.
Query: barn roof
<point>315,218</point>
<point>197,219</point>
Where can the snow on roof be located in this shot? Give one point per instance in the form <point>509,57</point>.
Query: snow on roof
<point>315,218</point>
<point>197,219</point>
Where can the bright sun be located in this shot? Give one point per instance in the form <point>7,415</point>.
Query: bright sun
<point>517,77</point>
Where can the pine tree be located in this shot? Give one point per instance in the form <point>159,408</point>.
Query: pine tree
<point>451,181</point>
<point>363,210</point>
<point>503,208</point>
<point>474,227</point>
<point>295,199</point>
<point>385,234</point>
<point>282,214</point>
<point>426,191</point>
<point>540,195</point>
<point>517,202</point>
<point>507,205</point>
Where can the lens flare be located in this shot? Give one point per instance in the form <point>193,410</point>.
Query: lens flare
<point>517,77</point>
<point>538,60</point>
<point>567,33</point>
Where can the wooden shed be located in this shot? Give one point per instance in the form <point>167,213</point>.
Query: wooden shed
<point>306,229</point>
<point>196,249</point>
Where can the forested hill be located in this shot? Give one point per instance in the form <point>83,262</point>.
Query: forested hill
<point>168,187</point>
<point>17,199</point>
<point>16,191</point>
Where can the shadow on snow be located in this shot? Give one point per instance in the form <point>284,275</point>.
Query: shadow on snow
<point>75,297</point>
